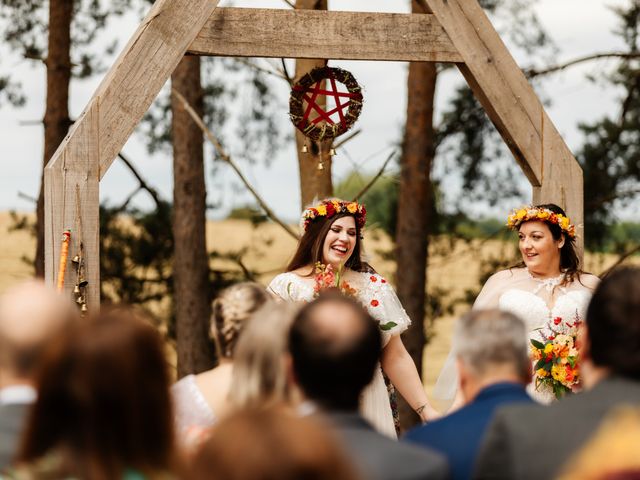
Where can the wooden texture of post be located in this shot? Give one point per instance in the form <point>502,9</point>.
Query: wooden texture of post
<point>513,106</point>
<point>72,175</point>
<point>119,103</point>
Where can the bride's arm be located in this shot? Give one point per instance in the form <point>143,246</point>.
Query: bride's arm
<point>399,367</point>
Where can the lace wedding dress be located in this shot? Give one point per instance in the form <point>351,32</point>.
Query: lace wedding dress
<point>380,300</point>
<point>535,301</point>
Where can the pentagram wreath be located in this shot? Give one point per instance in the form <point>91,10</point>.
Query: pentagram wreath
<point>307,89</point>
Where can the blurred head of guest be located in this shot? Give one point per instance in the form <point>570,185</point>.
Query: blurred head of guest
<point>335,346</point>
<point>30,316</point>
<point>103,407</point>
<point>612,345</point>
<point>201,399</point>
<point>259,370</point>
<point>491,347</point>
<point>270,444</point>
<point>231,311</point>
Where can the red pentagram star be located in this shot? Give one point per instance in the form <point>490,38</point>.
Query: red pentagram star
<point>310,95</point>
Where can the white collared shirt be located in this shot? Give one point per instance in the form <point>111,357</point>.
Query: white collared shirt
<point>18,395</point>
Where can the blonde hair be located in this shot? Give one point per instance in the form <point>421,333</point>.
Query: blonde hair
<point>230,312</point>
<point>259,374</point>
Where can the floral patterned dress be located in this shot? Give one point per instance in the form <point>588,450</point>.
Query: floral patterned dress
<point>380,300</point>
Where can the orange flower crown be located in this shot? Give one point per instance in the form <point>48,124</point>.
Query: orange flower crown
<point>329,208</point>
<point>527,213</point>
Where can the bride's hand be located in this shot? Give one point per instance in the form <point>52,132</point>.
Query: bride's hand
<point>429,414</point>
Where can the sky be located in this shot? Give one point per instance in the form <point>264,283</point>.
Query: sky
<point>578,27</point>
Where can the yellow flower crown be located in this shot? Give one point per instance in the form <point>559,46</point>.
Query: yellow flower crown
<point>330,207</point>
<point>527,213</point>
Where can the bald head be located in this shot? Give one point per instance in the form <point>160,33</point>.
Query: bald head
<point>335,346</point>
<point>30,314</point>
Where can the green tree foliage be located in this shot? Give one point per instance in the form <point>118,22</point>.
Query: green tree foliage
<point>610,154</point>
<point>25,25</point>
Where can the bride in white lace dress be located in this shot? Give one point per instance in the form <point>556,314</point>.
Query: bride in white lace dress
<point>332,236</point>
<point>548,284</point>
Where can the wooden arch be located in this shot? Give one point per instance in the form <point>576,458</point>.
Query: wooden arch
<point>456,31</point>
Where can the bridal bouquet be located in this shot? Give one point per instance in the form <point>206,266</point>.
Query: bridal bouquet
<point>326,278</point>
<point>556,357</point>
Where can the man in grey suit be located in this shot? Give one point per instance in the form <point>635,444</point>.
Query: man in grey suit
<point>535,442</point>
<point>335,347</point>
<point>30,314</point>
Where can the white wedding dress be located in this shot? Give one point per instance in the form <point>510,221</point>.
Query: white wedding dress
<point>536,302</point>
<point>380,300</point>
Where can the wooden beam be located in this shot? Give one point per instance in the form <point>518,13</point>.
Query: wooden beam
<point>113,112</point>
<point>257,32</point>
<point>512,104</point>
<point>75,177</point>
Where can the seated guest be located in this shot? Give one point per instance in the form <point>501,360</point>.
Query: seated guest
<point>534,442</point>
<point>200,399</point>
<point>612,452</point>
<point>30,316</point>
<point>103,409</point>
<point>271,444</point>
<point>493,370</point>
<point>259,377</point>
<point>335,346</point>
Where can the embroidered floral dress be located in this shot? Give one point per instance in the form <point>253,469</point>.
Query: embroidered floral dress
<point>535,301</point>
<point>379,298</point>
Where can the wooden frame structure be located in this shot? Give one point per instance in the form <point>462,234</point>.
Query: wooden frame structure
<point>457,31</point>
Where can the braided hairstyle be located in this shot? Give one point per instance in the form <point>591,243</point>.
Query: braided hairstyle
<point>230,311</point>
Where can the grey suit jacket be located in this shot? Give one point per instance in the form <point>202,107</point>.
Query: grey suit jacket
<point>12,419</point>
<point>534,442</point>
<point>381,458</point>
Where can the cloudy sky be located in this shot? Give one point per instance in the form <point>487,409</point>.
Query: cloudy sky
<point>578,27</point>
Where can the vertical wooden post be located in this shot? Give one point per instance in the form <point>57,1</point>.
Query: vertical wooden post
<point>562,180</point>
<point>71,176</point>
<point>95,139</point>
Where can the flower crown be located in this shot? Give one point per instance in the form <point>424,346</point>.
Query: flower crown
<point>329,208</point>
<point>527,213</point>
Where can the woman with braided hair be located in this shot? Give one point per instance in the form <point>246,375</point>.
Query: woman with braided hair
<point>332,237</point>
<point>201,399</point>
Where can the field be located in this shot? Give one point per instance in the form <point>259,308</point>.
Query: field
<point>453,268</point>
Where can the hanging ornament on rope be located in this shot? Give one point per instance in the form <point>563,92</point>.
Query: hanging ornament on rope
<point>318,122</point>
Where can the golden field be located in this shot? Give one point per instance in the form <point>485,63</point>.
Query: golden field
<point>454,268</point>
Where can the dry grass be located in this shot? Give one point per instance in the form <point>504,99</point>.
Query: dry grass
<point>269,248</point>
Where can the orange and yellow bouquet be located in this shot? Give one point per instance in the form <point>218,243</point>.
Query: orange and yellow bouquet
<point>326,278</point>
<point>556,357</point>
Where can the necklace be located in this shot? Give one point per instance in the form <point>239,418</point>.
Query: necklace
<point>547,283</point>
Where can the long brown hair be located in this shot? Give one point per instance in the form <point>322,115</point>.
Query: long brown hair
<point>309,250</point>
<point>103,400</point>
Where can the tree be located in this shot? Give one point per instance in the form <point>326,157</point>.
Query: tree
<point>190,261</point>
<point>415,196</point>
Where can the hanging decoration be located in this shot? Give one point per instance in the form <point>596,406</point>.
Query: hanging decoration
<point>64,254</point>
<point>80,288</point>
<point>320,123</point>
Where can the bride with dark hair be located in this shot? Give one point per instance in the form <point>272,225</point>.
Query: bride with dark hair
<point>333,236</point>
<point>549,282</point>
